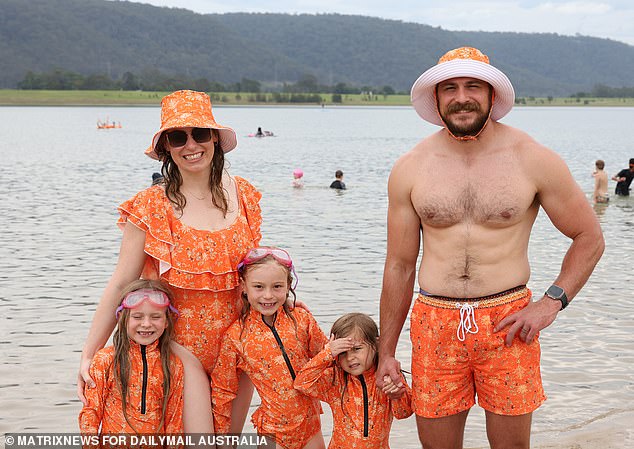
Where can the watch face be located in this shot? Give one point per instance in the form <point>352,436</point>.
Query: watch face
<point>555,292</point>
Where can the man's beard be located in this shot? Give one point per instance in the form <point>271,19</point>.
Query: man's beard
<point>466,129</point>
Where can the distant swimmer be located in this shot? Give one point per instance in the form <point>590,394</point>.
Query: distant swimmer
<point>338,182</point>
<point>298,181</point>
<point>157,178</point>
<point>600,194</point>
<point>624,179</point>
<point>261,133</point>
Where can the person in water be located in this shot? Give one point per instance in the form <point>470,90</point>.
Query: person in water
<point>343,375</point>
<point>624,179</point>
<point>270,342</point>
<point>157,178</point>
<point>298,181</point>
<point>338,182</point>
<point>470,193</point>
<point>600,194</point>
<point>139,381</point>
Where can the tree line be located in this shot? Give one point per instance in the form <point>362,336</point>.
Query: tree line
<point>603,91</point>
<point>155,81</point>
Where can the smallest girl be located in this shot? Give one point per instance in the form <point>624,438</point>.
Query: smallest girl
<point>343,375</point>
<point>270,342</point>
<point>139,382</point>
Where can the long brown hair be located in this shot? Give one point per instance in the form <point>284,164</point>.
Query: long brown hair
<point>246,307</point>
<point>121,341</point>
<point>346,326</point>
<point>174,180</point>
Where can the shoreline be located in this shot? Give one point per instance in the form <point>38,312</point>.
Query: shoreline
<point>612,430</point>
<point>115,98</point>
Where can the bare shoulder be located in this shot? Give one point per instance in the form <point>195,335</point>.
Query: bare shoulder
<point>540,163</point>
<point>407,167</point>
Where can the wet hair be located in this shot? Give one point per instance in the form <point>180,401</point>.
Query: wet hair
<point>121,341</point>
<point>173,179</point>
<point>599,164</point>
<point>632,161</point>
<point>349,324</point>
<point>338,174</point>
<point>246,307</point>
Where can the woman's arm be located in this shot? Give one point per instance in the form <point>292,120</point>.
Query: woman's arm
<point>128,269</point>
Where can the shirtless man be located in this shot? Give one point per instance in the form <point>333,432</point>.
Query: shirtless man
<point>472,191</point>
<point>600,194</point>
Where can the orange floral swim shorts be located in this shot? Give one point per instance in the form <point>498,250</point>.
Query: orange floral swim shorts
<point>456,356</point>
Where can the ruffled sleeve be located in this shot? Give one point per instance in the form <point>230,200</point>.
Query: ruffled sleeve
<point>188,258</point>
<point>250,199</point>
<point>147,210</point>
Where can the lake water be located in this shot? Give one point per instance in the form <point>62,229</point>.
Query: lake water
<point>62,180</point>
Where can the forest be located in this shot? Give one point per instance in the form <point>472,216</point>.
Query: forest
<point>99,44</point>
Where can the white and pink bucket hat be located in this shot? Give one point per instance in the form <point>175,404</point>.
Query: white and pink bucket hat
<point>463,62</point>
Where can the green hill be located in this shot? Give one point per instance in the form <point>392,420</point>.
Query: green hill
<point>114,37</point>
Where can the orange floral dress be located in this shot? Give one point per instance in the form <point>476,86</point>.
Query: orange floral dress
<point>200,266</point>
<point>145,394</point>
<point>270,356</point>
<point>362,418</point>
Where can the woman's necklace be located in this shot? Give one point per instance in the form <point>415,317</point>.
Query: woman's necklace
<point>204,197</point>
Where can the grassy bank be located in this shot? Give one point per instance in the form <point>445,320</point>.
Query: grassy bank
<point>10,97</point>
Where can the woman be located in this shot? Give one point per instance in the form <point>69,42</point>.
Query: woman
<point>191,231</point>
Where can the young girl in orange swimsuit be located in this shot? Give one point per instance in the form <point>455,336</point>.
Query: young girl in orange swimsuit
<point>343,375</point>
<point>270,343</point>
<point>139,380</point>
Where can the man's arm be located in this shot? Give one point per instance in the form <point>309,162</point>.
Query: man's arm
<point>570,212</point>
<point>619,176</point>
<point>597,184</point>
<point>403,244</point>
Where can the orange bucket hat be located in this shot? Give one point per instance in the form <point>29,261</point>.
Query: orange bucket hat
<point>458,63</point>
<point>188,108</point>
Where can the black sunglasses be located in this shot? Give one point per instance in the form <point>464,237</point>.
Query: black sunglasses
<point>178,138</point>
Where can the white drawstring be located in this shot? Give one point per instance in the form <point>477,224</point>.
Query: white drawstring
<point>468,323</point>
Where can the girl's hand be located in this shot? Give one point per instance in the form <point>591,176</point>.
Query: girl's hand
<point>394,391</point>
<point>340,345</point>
<point>83,379</point>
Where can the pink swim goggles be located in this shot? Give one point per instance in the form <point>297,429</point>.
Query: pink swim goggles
<point>134,299</point>
<point>261,252</point>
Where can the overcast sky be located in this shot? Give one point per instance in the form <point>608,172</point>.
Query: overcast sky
<point>612,19</point>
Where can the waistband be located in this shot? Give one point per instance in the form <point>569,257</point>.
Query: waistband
<point>504,297</point>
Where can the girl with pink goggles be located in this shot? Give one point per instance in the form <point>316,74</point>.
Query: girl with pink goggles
<point>261,252</point>
<point>135,298</point>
